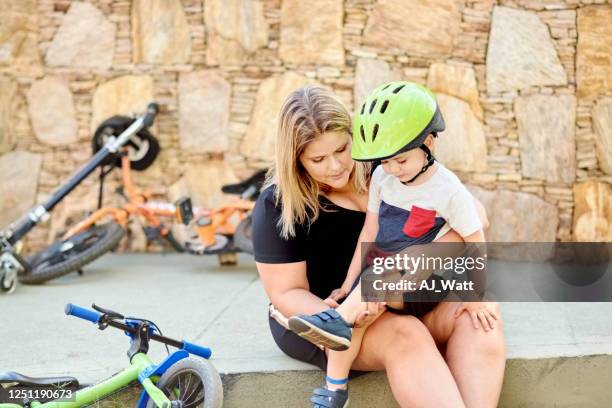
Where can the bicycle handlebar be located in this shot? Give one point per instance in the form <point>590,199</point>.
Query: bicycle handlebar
<point>94,317</point>
<point>149,117</point>
<point>82,313</point>
<point>197,350</point>
<point>142,122</point>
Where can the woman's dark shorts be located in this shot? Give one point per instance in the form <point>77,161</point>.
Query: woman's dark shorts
<point>296,347</point>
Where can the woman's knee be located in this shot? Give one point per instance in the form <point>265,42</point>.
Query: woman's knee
<point>487,342</point>
<point>408,332</point>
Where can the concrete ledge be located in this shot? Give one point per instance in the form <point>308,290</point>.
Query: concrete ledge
<point>559,355</point>
<point>556,383</point>
<point>552,382</point>
<point>293,388</point>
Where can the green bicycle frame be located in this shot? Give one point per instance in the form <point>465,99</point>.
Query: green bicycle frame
<point>138,364</point>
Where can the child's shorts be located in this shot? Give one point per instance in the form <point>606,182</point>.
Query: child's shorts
<point>419,303</point>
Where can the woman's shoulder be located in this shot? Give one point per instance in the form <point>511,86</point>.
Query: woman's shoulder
<point>268,243</point>
<point>266,205</point>
<point>267,193</point>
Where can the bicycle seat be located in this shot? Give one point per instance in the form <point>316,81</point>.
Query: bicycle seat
<point>256,180</point>
<point>13,377</point>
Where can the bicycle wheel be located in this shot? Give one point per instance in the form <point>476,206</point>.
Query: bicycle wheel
<point>193,382</point>
<point>174,243</point>
<point>69,255</point>
<point>243,237</point>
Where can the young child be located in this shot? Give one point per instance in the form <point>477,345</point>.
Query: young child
<point>412,200</point>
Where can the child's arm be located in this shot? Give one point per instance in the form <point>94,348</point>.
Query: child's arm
<point>482,313</point>
<point>477,236</point>
<point>368,234</point>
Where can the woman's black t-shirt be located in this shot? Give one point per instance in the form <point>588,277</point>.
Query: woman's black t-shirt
<point>327,245</point>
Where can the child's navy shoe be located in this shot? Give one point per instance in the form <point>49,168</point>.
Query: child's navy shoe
<point>325,398</point>
<point>326,328</point>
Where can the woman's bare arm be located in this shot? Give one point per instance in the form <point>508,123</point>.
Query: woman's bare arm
<point>287,288</point>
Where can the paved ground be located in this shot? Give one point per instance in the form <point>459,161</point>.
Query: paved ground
<point>188,297</point>
<point>224,308</point>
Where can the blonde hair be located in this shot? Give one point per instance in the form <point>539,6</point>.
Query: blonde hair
<point>308,112</point>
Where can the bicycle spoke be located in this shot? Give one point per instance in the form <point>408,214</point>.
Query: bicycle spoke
<point>187,390</point>
<point>173,390</point>
<point>192,391</point>
<point>198,401</point>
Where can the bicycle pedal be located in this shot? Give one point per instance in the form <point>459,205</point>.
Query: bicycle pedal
<point>185,210</point>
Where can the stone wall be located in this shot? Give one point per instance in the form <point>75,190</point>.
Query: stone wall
<point>525,86</point>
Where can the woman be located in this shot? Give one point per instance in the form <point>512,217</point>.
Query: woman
<point>305,227</point>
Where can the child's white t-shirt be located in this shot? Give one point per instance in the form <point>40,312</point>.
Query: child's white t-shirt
<point>420,214</point>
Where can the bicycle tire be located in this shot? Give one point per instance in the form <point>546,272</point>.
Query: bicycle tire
<point>8,282</point>
<point>105,237</point>
<point>243,237</point>
<point>206,373</point>
<point>174,243</point>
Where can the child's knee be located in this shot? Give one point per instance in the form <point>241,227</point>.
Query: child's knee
<point>396,305</point>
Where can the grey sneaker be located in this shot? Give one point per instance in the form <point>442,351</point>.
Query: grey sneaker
<point>326,398</point>
<point>326,328</point>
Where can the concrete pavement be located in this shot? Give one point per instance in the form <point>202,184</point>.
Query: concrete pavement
<point>559,354</point>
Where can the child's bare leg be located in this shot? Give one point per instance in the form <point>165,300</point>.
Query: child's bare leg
<point>339,362</point>
<point>352,305</point>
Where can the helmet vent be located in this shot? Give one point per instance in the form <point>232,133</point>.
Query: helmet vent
<point>362,133</point>
<point>399,88</point>
<point>386,86</point>
<point>372,105</point>
<point>375,132</point>
<point>362,108</point>
<point>383,108</point>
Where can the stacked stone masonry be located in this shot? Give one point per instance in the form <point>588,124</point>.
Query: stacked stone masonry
<point>525,86</point>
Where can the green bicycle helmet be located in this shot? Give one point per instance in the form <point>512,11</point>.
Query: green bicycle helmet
<point>395,117</point>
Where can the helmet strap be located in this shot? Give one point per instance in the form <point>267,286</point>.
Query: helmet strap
<point>430,161</point>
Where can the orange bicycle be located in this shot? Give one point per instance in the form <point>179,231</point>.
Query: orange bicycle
<point>222,231</point>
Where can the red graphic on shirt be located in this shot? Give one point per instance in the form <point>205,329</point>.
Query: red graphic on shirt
<point>419,221</point>
<point>375,252</point>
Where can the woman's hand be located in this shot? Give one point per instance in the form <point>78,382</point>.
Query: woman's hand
<point>334,297</point>
<point>482,313</point>
<point>373,310</point>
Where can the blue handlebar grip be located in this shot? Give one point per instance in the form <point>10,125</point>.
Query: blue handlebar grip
<point>82,313</point>
<point>197,350</point>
